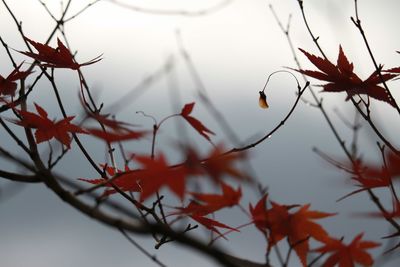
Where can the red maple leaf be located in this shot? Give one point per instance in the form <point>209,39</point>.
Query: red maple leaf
<point>259,214</point>
<point>59,57</point>
<point>8,86</point>
<point>105,120</point>
<point>117,126</point>
<point>47,129</point>
<point>369,176</point>
<point>195,123</point>
<point>393,70</point>
<point>214,202</point>
<point>157,173</point>
<point>117,136</point>
<point>212,224</point>
<point>218,164</point>
<point>193,208</point>
<point>298,227</point>
<point>341,78</point>
<point>126,180</point>
<point>209,203</point>
<point>347,255</point>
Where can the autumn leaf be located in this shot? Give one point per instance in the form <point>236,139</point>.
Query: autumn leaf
<point>228,198</point>
<point>195,123</point>
<point>153,176</point>
<point>8,86</point>
<point>341,78</point>
<point>262,101</point>
<point>125,180</point>
<point>215,202</point>
<point>193,208</point>
<point>298,226</point>
<point>106,120</point>
<point>115,125</point>
<point>218,164</point>
<point>116,136</point>
<point>208,203</point>
<point>212,224</point>
<point>47,129</point>
<point>156,173</point>
<point>259,214</point>
<point>347,255</point>
<point>368,176</point>
<point>59,57</point>
<point>302,226</point>
<point>393,70</point>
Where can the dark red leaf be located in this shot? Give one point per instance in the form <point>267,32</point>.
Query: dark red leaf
<point>8,86</point>
<point>117,136</point>
<point>341,78</point>
<point>196,124</point>
<point>47,129</point>
<point>212,224</point>
<point>59,57</point>
<point>347,255</point>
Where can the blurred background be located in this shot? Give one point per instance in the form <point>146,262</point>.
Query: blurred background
<point>233,45</point>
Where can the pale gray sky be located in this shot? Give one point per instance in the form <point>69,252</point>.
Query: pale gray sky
<point>234,50</point>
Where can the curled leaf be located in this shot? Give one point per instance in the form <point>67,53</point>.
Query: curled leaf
<point>262,101</point>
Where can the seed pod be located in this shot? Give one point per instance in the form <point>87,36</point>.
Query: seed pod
<point>262,101</point>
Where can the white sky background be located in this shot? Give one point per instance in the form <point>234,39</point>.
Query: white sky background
<point>234,50</point>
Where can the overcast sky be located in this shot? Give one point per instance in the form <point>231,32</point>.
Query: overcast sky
<point>234,49</point>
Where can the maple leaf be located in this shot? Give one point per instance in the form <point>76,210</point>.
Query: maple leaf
<point>104,119</point>
<point>157,173</point>
<point>154,175</point>
<point>195,123</point>
<point>47,129</point>
<point>193,208</point>
<point>347,255</point>
<point>59,57</point>
<point>216,165</point>
<point>393,70</point>
<point>259,214</point>
<point>219,164</point>
<point>126,180</point>
<point>298,227</point>
<point>370,176</point>
<point>212,224</point>
<point>341,78</point>
<point>302,226</point>
<point>115,125</point>
<point>209,203</point>
<point>116,136</point>
<point>8,86</point>
<point>229,198</point>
